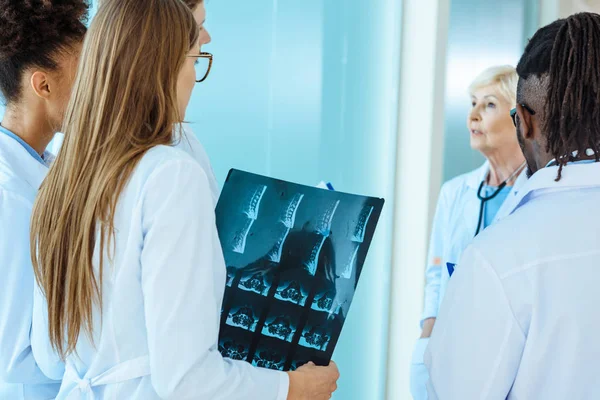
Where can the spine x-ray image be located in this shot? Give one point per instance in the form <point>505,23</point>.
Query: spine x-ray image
<point>294,256</point>
<point>250,211</point>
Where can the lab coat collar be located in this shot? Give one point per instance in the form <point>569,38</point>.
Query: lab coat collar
<point>574,176</point>
<point>16,162</point>
<point>476,177</point>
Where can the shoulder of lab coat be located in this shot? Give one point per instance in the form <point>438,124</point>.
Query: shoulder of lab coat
<point>178,275</point>
<point>17,362</point>
<point>189,143</point>
<point>477,342</point>
<point>451,193</point>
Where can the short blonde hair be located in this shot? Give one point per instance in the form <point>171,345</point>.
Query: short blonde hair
<point>505,76</point>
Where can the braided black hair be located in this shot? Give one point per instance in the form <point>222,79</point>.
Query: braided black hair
<point>566,55</point>
<point>32,33</point>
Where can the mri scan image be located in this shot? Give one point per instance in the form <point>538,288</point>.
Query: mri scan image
<point>295,255</point>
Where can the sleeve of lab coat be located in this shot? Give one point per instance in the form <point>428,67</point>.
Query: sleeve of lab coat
<point>435,255</point>
<point>181,304</point>
<point>17,362</point>
<point>476,346</point>
<point>47,359</point>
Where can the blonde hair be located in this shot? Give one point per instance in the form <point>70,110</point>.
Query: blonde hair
<point>124,102</point>
<point>504,76</point>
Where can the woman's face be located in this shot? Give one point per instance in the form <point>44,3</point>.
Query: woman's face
<point>187,75</point>
<point>200,17</point>
<point>489,121</point>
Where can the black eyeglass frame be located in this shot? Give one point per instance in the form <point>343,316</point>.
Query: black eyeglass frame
<point>513,112</point>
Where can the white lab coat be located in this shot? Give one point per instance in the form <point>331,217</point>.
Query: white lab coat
<point>185,140</point>
<point>519,320</point>
<point>162,299</point>
<point>20,178</point>
<point>453,229</point>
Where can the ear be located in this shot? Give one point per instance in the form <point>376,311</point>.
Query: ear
<point>40,84</point>
<point>526,123</point>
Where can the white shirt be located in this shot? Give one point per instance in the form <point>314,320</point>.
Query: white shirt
<point>519,319</point>
<point>162,299</point>
<point>20,178</point>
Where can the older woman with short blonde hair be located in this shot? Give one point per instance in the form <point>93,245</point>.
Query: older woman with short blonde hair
<point>473,201</point>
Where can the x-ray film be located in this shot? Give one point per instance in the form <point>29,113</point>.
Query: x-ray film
<point>294,256</point>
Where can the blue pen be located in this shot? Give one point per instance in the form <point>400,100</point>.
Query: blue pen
<point>450,267</point>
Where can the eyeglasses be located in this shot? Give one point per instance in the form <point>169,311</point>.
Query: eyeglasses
<point>513,112</point>
<point>203,65</point>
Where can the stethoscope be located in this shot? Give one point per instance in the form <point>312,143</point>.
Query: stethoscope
<point>485,199</point>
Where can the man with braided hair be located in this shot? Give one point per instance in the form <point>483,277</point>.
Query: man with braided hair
<point>519,320</point>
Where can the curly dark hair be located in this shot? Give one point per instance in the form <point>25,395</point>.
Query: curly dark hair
<point>33,33</point>
<point>567,53</point>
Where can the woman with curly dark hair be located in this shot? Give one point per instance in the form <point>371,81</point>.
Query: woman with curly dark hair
<point>40,41</point>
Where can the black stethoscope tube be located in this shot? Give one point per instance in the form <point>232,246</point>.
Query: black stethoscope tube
<point>483,200</point>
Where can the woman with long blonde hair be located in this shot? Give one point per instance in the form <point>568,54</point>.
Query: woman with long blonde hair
<point>126,252</point>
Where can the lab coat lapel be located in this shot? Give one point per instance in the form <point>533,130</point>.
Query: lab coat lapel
<point>578,176</point>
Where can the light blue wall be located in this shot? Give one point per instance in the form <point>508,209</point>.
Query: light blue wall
<point>481,34</point>
<point>306,91</point>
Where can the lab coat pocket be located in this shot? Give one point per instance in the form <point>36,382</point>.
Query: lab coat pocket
<point>418,372</point>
